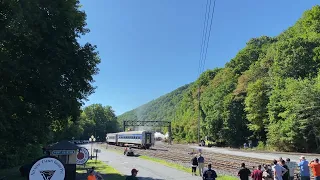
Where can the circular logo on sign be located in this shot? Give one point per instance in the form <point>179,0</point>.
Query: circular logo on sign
<point>48,168</point>
<point>82,156</point>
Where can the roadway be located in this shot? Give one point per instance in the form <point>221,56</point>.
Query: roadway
<point>148,170</point>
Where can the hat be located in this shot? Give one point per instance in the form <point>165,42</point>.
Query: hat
<point>134,170</point>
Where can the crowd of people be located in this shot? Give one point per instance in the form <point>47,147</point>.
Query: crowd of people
<point>198,162</point>
<point>279,170</point>
<point>283,170</point>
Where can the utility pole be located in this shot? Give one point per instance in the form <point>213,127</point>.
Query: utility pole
<point>199,114</point>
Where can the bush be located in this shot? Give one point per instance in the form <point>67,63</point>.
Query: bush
<point>261,146</point>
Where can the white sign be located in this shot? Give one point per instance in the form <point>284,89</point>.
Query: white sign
<point>82,156</point>
<point>47,168</point>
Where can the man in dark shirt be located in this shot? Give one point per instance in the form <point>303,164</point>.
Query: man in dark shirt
<point>257,174</point>
<point>194,162</point>
<point>244,172</point>
<point>285,176</point>
<point>209,174</point>
<point>134,173</point>
<point>200,164</point>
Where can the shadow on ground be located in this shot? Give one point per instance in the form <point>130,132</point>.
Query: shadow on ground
<point>158,149</point>
<point>83,176</point>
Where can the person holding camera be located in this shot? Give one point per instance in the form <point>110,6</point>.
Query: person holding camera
<point>315,166</point>
<point>304,168</point>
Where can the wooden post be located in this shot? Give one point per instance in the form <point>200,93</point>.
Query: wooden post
<point>96,155</point>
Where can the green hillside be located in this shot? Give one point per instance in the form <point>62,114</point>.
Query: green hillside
<point>269,93</point>
<point>160,109</point>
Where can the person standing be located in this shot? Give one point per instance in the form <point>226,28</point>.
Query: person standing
<point>209,174</point>
<point>244,172</point>
<point>200,164</point>
<point>267,173</point>
<point>292,167</point>
<point>134,173</point>
<point>257,174</point>
<point>278,171</point>
<point>280,160</point>
<point>315,166</point>
<point>96,174</point>
<point>304,168</point>
<point>91,175</point>
<point>125,151</point>
<point>194,164</point>
<point>285,176</point>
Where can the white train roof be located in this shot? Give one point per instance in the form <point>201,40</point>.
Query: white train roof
<point>131,132</point>
<point>134,132</point>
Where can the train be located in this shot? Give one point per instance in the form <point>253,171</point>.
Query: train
<point>142,139</point>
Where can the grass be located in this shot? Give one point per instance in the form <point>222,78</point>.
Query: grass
<point>180,167</point>
<point>12,173</point>
<point>106,171</point>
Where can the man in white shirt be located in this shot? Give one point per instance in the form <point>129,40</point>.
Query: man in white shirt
<point>278,171</point>
<point>292,166</point>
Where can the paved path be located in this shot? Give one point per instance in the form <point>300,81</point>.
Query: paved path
<point>148,170</point>
<point>265,155</point>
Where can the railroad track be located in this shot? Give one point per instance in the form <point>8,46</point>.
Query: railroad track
<point>224,164</point>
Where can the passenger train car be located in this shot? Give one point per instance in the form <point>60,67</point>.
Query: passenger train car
<point>142,139</point>
<point>112,138</point>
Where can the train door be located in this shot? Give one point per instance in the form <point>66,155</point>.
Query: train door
<point>116,139</point>
<point>148,138</point>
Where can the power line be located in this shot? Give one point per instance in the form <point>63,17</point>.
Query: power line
<point>204,49</point>
<point>204,34</point>
<point>207,45</point>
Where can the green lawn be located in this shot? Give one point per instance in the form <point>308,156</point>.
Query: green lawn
<point>182,168</point>
<point>12,173</point>
<point>106,171</point>
<point>173,165</point>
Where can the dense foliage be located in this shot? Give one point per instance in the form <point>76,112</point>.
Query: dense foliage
<point>161,109</point>
<point>269,93</point>
<point>45,75</point>
<point>94,120</point>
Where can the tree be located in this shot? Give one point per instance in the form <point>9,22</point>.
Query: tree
<point>45,73</point>
<point>256,107</point>
<point>102,120</point>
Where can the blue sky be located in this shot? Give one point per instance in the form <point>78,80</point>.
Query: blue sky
<point>151,47</point>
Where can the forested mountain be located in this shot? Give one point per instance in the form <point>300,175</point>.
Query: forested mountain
<point>269,92</point>
<point>160,109</point>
